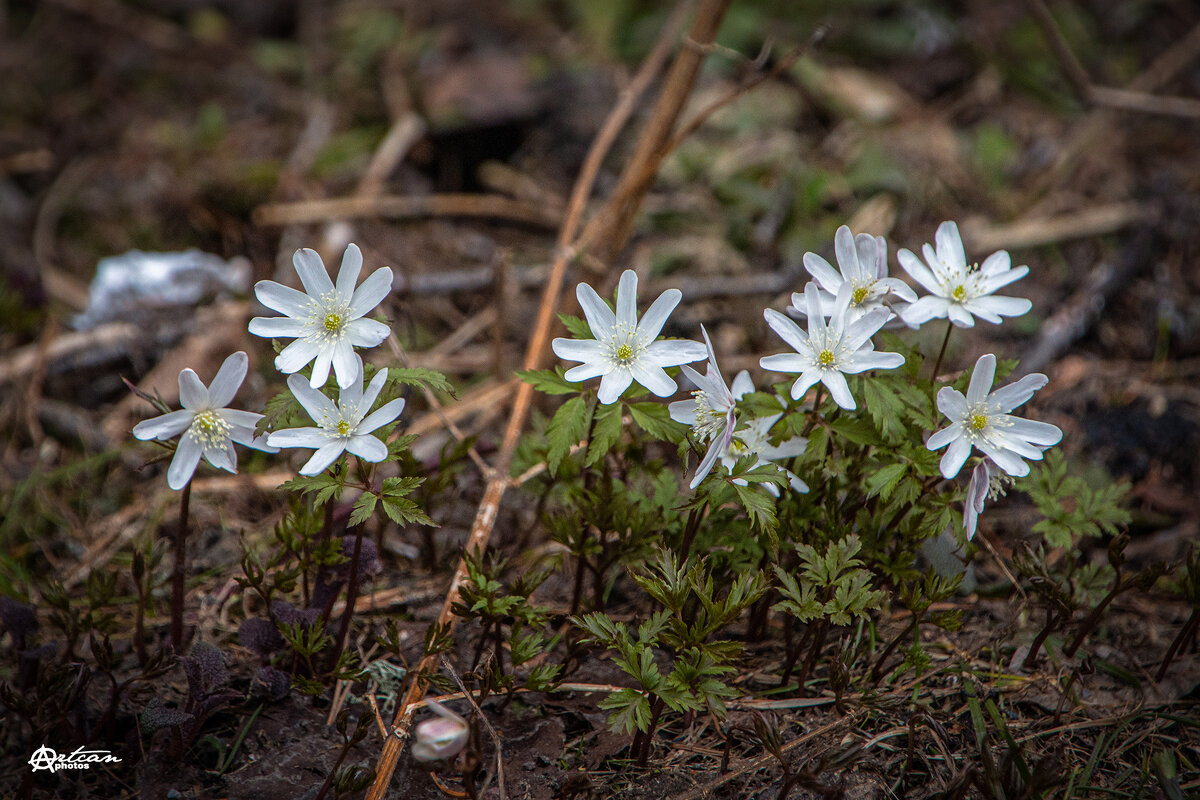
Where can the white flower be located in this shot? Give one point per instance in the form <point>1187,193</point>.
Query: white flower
<point>710,412</point>
<point>209,428</point>
<point>343,427</point>
<point>625,350</point>
<point>440,738</point>
<point>985,482</point>
<point>981,420</point>
<point>829,349</point>
<point>863,263</point>
<point>327,322</point>
<point>755,439</point>
<point>961,292</point>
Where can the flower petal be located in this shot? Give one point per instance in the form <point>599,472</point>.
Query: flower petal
<point>789,331</point>
<point>318,406</point>
<point>283,299</point>
<point>346,365</point>
<point>228,380</point>
<point>314,438</point>
<point>296,355</point>
<point>311,270</point>
<point>1002,306</point>
<point>366,332</point>
<point>955,456</point>
<point>325,455</point>
<point>912,264</point>
<point>166,426</point>
<point>1006,460</point>
<point>1042,434</point>
<point>823,273</point>
<point>612,385</point>
<point>371,293</point>
<point>599,316</point>
<point>368,448</point>
<point>990,283</point>
<point>585,372</point>
<point>683,411</point>
<point>865,360</point>
<point>804,383</point>
<point>378,381</point>
<point>981,379</point>
<point>381,416</point>
<point>944,437</point>
<point>925,309</point>
<point>673,352</point>
<point>786,362</point>
<point>656,316</point>
<point>627,299</point>
<point>706,464</point>
<point>193,394</point>
<point>950,247</point>
<point>222,456</point>
<point>347,278</point>
<point>586,350</point>
<point>839,390</point>
<point>950,401</point>
<point>959,316</point>
<point>1016,394</point>
<point>847,255</point>
<point>183,465</point>
<point>742,385</point>
<point>321,365</point>
<point>277,327</point>
<point>653,378</point>
<point>863,328</point>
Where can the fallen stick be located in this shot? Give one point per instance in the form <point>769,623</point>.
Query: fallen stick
<point>403,207</point>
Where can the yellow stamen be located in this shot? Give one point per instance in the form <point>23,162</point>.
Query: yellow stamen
<point>959,293</point>
<point>333,322</point>
<point>826,358</point>
<point>343,427</point>
<point>979,421</point>
<point>860,294</point>
<point>624,352</point>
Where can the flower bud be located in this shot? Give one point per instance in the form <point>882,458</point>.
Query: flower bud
<point>441,738</point>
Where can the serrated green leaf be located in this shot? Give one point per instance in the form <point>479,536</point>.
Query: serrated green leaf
<point>884,407</point>
<point>419,376</point>
<point>549,381</point>
<point>606,432</point>
<point>630,711</point>
<point>400,487</point>
<point>566,429</point>
<point>578,328</point>
<point>282,408</point>
<point>856,429</point>
<point>403,511</point>
<point>364,507</point>
<point>655,419</point>
<point>759,505</point>
<point>883,481</point>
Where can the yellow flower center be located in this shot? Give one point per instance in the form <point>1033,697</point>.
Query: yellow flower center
<point>209,428</point>
<point>826,358</point>
<point>959,293</point>
<point>624,353</point>
<point>343,427</point>
<point>333,322</point>
<point>860,294</point>
<point>979,421</point>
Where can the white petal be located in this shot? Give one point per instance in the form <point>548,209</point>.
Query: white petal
<point>1006,398</point>
<point>587,371</point>
<point>673,352</point>
<point>324,456</point>
<point>222,456</point>
<point>956,455</point>
<point>839,390</point>
<point>1004,440</point>
<point>166,426</point>
<point>920,273</point>
<point>296,355</point>
<point>346,364</point>
<point>347,278</point>
<point>228,380</point>
<point>944,437</point>
<point>990,283</point>
<point>847,254</point>
<point>627,299</point>
<point>318,406</point>
<point>950,401</point>
<point>742,385</point>
<point>653,378</point>
<point>366,332</point>
<point>683,411</point>
<point>925,309</point>
<point>950,247</point>
<point>283,299</point>
<point>245,436</point>
<point>816,319</point>
<point>183,465</point>
<point>352,395</point>
<point>1042,434</point>
<point>864,360</point>
<point>612,385</point>
<point>1006,460</point>
<point>823,273</point>
<point>384,415</point>
<point>577,349</point>
<point>871,261</point>
<point>706,464</point>
<point>311,270</point>
<point>862,329</point>
<point>981,379</point>
<point>898,288</point>
<point>804,383</point>
<point>321,366</point>
<point>368,448</point>
<point>371,292</point>
<point>193,393</point>
<point>599,316</point>
<point>1002,306</point>
<point>786,362</point>
<point>277,327</point>
<point>787,330</point>
<point>997,263</point>
<point>314,438</point>
<point>959,316</point>
<point>378,381</point>
<point>656,316</point>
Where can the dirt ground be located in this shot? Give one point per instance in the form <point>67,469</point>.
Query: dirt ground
<point>452,133</point>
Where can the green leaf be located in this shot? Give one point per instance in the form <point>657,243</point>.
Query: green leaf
<point>548,381</point>
<point>364,507</point>
<point>885,408</point>
<point>883,481</point>
<point>403,511</point>
<point>282,408</point>
<point>577,327</point>
<point>419,376</point>
<point>856,430</point>
<point>325,485</point>
<point>655,419</point>
<point>606,432</point>
<point>567,428</point>
<point>630,711</point>
<point>759,505</point>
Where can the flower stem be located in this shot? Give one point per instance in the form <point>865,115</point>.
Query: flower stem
<point>937,365</point>
<point>178,573</point>
<point>816,410</point>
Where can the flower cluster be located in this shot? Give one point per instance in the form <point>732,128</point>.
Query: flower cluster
<point>328,321</point>
<point>844,308</point>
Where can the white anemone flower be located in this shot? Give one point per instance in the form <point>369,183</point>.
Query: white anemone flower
<point>830,350</point>
<point>327,322</point>
<point>344,426</point>
<point>208,425</point>
<point>862,261</point>
<point>981,420</point>
<point>442,737</point>
<point>755,439</point>
<point>961,292</point>
<point>985,482</point>
<point>710,411</point>
<point>624,349</point>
